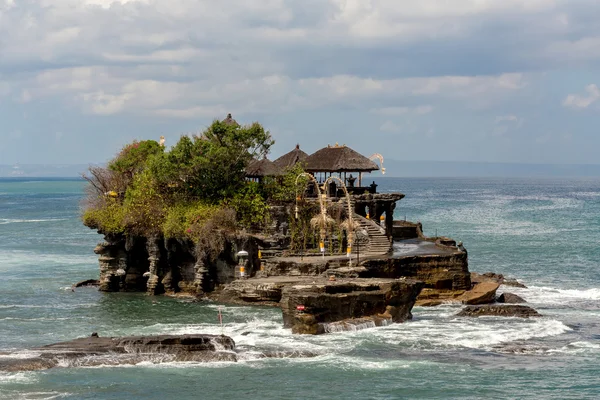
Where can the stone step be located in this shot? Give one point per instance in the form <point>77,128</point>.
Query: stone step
<point>378,242</point>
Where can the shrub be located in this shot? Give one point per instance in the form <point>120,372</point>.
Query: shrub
<point>107,218</point>
<point>250,206</point>
<point>182,219</point>
<point>145,207</point>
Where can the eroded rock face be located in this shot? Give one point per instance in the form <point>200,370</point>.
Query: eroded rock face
<point>499,310</point>
<point>311,309</point>
<point>157,265</point>
<point>436,271</point>
<point>96,350</point>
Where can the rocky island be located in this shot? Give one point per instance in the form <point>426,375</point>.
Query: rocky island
<point>212,217</point>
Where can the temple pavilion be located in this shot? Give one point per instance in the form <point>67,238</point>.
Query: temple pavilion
<point>257,170</point>
<point>345,163</point>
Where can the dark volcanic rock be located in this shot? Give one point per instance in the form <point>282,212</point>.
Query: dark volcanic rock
<point>96,350</point>
<point>510,298</point>
<point>87,282</point>
<point>498,310</point>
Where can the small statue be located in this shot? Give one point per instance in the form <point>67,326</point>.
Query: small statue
<point>351,180</point>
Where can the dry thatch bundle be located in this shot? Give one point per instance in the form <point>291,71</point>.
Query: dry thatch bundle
<point>262,168</point>
<point>290,159</point>
<point>339,159</point>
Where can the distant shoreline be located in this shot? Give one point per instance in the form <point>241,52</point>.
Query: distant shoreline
<point>394,169</point>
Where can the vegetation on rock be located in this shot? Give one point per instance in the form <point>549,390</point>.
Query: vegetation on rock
<point>197,190</point>
<point>147,190</point>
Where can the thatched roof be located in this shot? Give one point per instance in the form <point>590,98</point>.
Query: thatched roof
<point>290,159</point>
<point>230,121</point>
<point>260,168</point>
<point>338,159</point>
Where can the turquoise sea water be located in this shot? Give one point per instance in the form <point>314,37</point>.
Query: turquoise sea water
<point>545,233</point>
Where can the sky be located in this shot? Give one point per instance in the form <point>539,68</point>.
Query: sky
<point>463,80</point>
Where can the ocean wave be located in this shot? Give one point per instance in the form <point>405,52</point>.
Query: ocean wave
<point>346,362</point>
<point>580,347</point>
<point>551,295</point>
<point>474,333</point>
<point>585,194</point>
<point>4,221</point>
<point>17,377</point>
<point>37,395</point>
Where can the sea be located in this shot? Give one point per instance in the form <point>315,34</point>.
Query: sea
<point>543,232</point>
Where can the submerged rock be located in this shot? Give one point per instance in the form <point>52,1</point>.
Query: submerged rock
<point>510,298</point>
<point>95,350</point>
<point>499,310</point>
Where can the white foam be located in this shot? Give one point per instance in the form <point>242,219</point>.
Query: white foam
<point>550,295</point>
<point>359,363</point>
<point>5,221</point>
<point>475,333</point>
<point>21,354</point>
<point>585,194</point>
<point>581,347</point>
<point>18,377</point>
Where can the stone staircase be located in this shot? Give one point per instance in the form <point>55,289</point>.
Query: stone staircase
<point>377,244</point>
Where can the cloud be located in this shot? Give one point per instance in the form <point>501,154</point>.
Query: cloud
<point>583,101</point>
<point>418,110</point>
<point>506,118</point>
<point>371,64</point>
<point>389,126</point>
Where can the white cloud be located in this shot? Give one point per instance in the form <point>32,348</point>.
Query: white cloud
<point>583,101</point>
<point>506,118</point>
<point>389,126</point>
<point>418,110</point>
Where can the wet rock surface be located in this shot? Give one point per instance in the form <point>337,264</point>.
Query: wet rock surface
<point>482,293</point>
<point>499,310</point>
<point>497,278</point>
<point>87,283</point>
<point>94,350</point>
<point>510,298</point>
<point>347,305</point>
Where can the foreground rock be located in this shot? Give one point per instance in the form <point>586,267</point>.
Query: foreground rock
<point>350,305</point>
<point>499,310</point>
<point>94,350</point>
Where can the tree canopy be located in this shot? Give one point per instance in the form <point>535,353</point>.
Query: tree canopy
<point>147,189</point>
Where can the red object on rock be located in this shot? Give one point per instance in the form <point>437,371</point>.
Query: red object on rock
<point>300,307</point>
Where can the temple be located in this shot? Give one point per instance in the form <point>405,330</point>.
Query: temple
<point>331,255</point>
<point>348,166</point>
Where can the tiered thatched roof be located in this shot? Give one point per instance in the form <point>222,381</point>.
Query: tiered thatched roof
<point>262,168</point>
<point>290,159</point>
<point>230,121</point>
<point>339,159</point>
